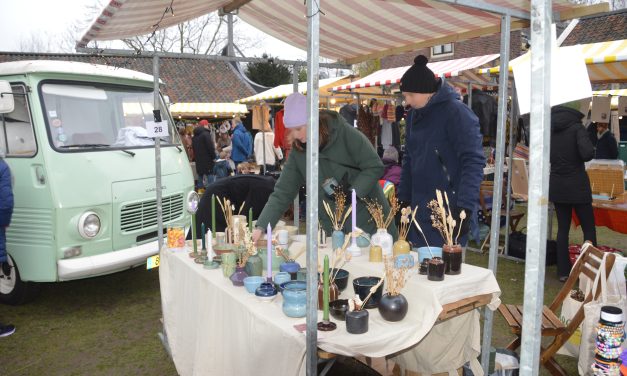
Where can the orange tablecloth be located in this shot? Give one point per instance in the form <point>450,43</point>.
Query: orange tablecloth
<point>611,214</point>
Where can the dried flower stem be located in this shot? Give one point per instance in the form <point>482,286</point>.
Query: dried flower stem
<point>376,212</point>
<point>462,216</point>
<point>373,289</point>
<point>249,244</point>
<point>338,216</point>
<point>397,276</point>
<point>423,235</point>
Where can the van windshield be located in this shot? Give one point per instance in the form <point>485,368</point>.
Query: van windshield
<point>98,116</point>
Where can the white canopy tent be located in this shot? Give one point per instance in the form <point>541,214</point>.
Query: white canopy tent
<point>343,30</point>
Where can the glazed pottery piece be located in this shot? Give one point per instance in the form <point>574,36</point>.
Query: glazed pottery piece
<point>393,308</point>
<point>362,286</point>
<point>357,321</point>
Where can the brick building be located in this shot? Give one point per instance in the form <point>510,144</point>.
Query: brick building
<point>186,80</point>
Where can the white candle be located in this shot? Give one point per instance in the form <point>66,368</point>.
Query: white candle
<point>269,250</point>
<point>209,245</point>
<point>354,215</point>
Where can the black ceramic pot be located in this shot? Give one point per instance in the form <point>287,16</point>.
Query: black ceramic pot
<point>357,322</point>
<point>393,308</point>
<point>362,286</point>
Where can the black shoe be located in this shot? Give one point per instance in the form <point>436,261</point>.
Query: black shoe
<point>6,330</point>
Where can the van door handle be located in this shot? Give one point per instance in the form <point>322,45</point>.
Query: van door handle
<point>39,175</point>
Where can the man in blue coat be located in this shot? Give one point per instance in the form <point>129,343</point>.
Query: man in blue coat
<point>242,143</point>
<point>442,151</point>
<point>6,211</point>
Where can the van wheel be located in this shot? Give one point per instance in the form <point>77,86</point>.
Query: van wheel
<point>13,290</point>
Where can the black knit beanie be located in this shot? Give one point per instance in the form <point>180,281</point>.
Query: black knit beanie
<point>419,78</point>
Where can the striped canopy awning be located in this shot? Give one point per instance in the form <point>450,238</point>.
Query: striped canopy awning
<point>446,68</point>
<point>350,30</point>
<point>606,61</point>
<point>207,109</point>
<point>283,91</point>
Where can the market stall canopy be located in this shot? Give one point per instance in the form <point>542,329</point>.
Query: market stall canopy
<point>207,109</point>
<point>446,68</point>
<point>615,94</point>
<point>283,91</point>
<point>350,30</point>
<point>606,61</point>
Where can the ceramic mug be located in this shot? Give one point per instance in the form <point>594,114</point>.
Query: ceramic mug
<point>282,236</point>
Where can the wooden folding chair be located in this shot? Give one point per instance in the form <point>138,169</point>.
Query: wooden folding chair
<point>586,266</point>
<point>486,190</point>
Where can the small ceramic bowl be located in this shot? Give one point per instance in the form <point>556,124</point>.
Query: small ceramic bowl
<point>251,283</point>
<point>282,277</point>
<point>266,292</point>
<point>362,286</point>
<point>338,309</point>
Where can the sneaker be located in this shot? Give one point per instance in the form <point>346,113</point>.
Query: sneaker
<point>563,278</point>
<point>6,330</point>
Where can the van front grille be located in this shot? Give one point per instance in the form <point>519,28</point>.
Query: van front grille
<point>141,215</point>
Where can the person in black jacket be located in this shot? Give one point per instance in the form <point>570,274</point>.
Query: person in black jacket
<point>606,145</point>
<point>205,154</point>
<point>252,189</point>
<point>569,186</point>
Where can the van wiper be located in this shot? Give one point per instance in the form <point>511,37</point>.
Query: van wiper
<point>85,146</point>
<point>95,146</point>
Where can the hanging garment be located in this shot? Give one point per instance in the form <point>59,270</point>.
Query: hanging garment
<point>386,134</point>
<point>261,117</point>
<point>367,123</point>
<point>390,114</point>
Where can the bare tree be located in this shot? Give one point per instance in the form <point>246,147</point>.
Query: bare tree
<point>36,41</point>
<point>205,35</point>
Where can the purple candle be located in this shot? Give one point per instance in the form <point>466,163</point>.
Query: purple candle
<point>354,214</point>
<point>269,263</point>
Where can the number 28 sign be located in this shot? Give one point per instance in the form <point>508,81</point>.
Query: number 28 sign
<point>157,129</point>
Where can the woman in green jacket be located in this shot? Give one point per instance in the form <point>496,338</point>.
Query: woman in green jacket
<point>345,155</point>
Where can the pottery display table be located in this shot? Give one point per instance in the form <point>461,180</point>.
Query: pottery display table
<point>215,328</point>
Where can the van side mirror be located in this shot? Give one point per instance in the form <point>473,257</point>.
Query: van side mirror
<point>6,98</point>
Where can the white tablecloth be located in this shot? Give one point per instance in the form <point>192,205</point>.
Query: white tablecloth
<point>215,328</point>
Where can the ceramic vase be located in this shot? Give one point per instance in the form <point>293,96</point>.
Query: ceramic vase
<point>435,269</point>
<point>452,256</point>
<point>254,265</point>
<point>393,308</point>
<point>295,301</point>
<point>401,247</point>
<point>383,240</point>
<point>334,293</point>
<point>337,239</point>
<point>238,276</point>
<point>291,267</point>
<point>357,322</point>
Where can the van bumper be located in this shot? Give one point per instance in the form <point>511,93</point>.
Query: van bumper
<point>105,263</point>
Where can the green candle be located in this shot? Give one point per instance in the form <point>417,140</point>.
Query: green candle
<point>202,235</point>
<point>194,233</point>
<point>325,291</point>
<point>250,220</point>
<point>213,215</point>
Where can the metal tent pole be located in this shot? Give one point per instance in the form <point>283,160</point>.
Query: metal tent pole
<point>297,200</point>
<point>539,155</point>
<point>155,76</point>
<point>498,182</point>
<point>510,166</point>
<point>313,51</point>
<point>470,95</point>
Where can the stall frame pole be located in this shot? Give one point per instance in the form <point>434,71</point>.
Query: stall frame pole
<point>540,143</point>
<point>513,119</point>
<point>313,51</point>
<point>297,199</point>
<point>498,182</point>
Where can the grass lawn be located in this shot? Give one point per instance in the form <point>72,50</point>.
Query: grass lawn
<point>109,325</point>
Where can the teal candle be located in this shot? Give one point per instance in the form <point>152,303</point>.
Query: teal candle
<point>325,291</point>
<point>202,234</point>
<point>213,215</point>
<point>250,220</point>
<point>194,233</point>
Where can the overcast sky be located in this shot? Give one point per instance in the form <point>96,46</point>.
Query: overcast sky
<point>21,19</point>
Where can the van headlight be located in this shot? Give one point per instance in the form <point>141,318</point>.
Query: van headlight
<point>89,225</point>
<point>192,200</point>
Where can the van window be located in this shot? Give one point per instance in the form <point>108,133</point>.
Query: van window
<point>17,138</point>
<point>98,116</point>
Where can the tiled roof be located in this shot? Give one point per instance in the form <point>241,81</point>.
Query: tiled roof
<point>186,80</point>
<point>599,28</point>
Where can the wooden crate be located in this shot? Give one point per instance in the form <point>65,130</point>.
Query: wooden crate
<point>606,179</point>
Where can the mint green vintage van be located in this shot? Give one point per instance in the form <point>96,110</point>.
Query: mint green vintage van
<point>84,172</point>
